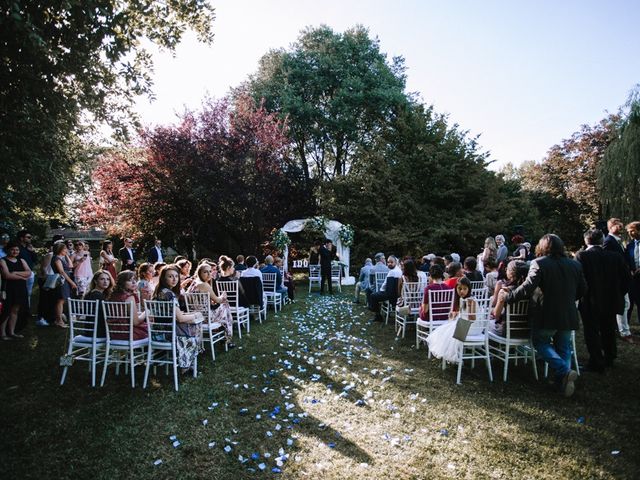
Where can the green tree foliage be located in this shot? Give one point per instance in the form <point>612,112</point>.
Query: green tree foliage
<point>619,173</point>
<point>337,91</point>
<point>68,65</point>
<point>422,186</point>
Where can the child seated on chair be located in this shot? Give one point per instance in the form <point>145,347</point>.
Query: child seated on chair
<point>441,342</point>
<point>517,271</point>
<point>436,282</point>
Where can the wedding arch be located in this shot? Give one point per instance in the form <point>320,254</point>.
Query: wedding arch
<point>332,229</point>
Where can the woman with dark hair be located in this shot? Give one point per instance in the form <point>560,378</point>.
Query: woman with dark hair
<point>520,253</point>
<point>100,288</point>
<point>516,273</point>
<point>145,288</point>
<point>126,290</point>
<point>409,273</point>
<point>108,259</point>
<point>188,331</point>
<point>61,265</point>
<point>436,282</point>
<point>15,273</point>
<point>185,273</point>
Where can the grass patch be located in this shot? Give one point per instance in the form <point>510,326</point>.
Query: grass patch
<point>338,394</point>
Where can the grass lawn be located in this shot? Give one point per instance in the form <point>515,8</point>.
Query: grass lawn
<point>319,383</point>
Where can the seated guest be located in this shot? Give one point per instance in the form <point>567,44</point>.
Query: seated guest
<point>439,261</point>
<point>269,267</point>
<point>100,288</point>
<point>363,279</point>
<point>470,270</point>
<point>426,263</point>
<point>145,287</point>
<point>126,290</point>
<point>409,273</point>
<point>454,272</point>
<point>251,270</point>
<point>491,274</point>
<point>436,282</point>
<point>389,289</point>
<point>240,266</point>
<point>517,272</point>
<point>157,268</point>
<point>379,267</point>
<point>227,269</point>
<point>287,279</point>
<point>188,330</point>
<point>185,273</point>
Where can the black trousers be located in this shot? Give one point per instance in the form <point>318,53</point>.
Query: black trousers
<point>325,275</point>
<point>600,335</point>
<point>634,296</point>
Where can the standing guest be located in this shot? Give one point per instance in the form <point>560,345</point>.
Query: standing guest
<point>517,271</point>
<point>314,253</point>
<point>251,270</point>
<point>441,342</point>
<point>188,331</point>
<point>100,288</point>
<point>46,300</point>
<point>4,239</point>
<point>82,271</point>
<point>15,274</point>
<point>633,257</point>
<point>28,254</point>
<point>363,279</point>
<point>108,259</point>
<point>613,243</point>
<point>470,270</point>
<point>553,315</point>
<point>454,272</point>
<point>126,290</point>
<point>127,256</point>
<point>145,287</point>
<point>490,274</point>
<point>607,279</point>
<point>61,265</point>
<point>155,253</point>
<point>240,266</point>
<point>502,252</point>
<point>490,250</point>
<point>520,253</point>
<point>325,265</point>
<point>436,282</point>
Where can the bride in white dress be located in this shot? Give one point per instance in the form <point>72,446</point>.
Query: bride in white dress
<point>441,342</point>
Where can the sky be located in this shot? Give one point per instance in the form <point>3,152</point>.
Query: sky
<point>522,75</point>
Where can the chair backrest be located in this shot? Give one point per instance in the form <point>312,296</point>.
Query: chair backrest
<point>231,288</point>
<point>336,271</point>
<point>161,319</point>
<point>199,302</point>
<point>476,284</point>
<point>480,293</point>
<point>440,304</point>
<point>269,282</point>
<point>481,321</point>
<point>251,292</point>
<point>412,293</point>
<point>314,272</point>
<point>83,317</point>
<point>380,278</point>
<point>118,317</point>
<point>518,320</point>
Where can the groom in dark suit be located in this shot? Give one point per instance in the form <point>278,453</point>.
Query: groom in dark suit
<point>607,282</point>
<point>325,265</point>
<point>633,257</point>
<point>127,256</point>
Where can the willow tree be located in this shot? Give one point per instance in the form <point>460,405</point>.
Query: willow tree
<point>619,173</point>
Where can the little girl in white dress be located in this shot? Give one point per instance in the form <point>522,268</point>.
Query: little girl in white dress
<point>441,342</point>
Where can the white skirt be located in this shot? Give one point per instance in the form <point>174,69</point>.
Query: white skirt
<point>442,344</point>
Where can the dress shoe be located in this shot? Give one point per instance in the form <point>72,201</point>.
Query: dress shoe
<point>628,339</point>
<point>568,383</point>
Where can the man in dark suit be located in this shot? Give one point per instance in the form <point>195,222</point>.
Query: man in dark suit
<point>613,243</point>
<point>155,253</point>
<point>552,310</point>
<point>325,265</point>
<point>127,256</point>
<point>607,279</point>
<point>633,257</point>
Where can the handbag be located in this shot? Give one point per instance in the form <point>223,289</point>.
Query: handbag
<point>53,281</point>
<point>462,329</point>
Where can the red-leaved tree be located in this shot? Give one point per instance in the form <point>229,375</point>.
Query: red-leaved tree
<point>218,181</point>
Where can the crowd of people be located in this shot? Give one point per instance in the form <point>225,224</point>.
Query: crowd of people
<point>598,285</point>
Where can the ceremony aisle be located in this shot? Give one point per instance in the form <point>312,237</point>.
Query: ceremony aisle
<point>318,391</point>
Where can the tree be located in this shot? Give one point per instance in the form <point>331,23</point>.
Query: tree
<point>620,169</point>
<point>67,66</point>
<point>217,182</point>
<point>336,92</point>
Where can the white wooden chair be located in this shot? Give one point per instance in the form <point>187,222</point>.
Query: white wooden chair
<point>314,276</point>
<point>254,307</point>
<point>476,344</point>
<point>211,331</point>
<point>83,344</point>
<point>412,293</point>
<point>161,319</point>
<point>517,335</point>
<point>440,304</point>
<point>336,276</point>
<point>379,280</point>
<point>273,298</point>
<point>480,293</point>
<point>477,284</point>
<point>240,314</point>
<point>118,318</point>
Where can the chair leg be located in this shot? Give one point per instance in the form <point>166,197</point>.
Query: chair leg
<point>93,368</point>
<point>533,360</point>
<point>175,372</point>
<point>213,350</point>
<point>460,365</point>
<point>506,363</point>
<point>106,364</point>
<point>133,368</point>
<point>148,366</point>
<point>575,353</point>
<point>488,357</point>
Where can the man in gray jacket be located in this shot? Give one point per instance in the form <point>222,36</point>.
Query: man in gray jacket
<point>553,285</point>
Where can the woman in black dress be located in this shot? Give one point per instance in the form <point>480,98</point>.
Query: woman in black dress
<point>61,264</point>
<point>15,273</point>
